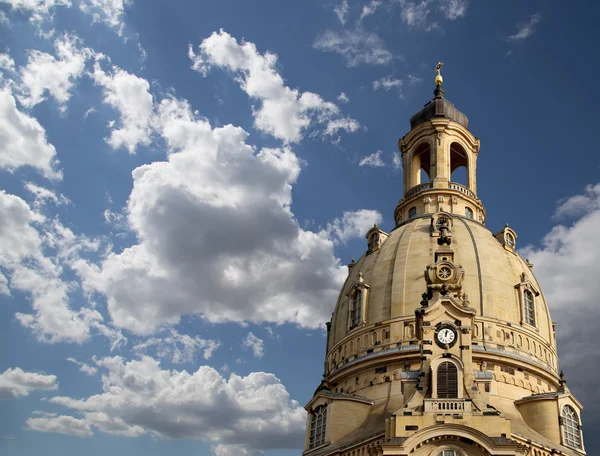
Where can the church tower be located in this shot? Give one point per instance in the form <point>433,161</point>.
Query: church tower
<point>441,341</point>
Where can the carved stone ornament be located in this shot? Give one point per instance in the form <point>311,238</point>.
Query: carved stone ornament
<point>444,277</point>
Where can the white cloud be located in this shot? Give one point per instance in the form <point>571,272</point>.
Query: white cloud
<point>374,160</point>
<point>179,348</point>
<point>370,8</point>
<point>351,225</point>
<point>60,424</point>
<point>565,265</point>
<point>15,383</point>
<point>130,96</point>
<point>256,344</point>
<point>30,271</point>
<point>43,195</point>
<point>40,10</point>
<point>83,367</point>
<point>111,12</point>
<point>254,412</point>
<point>343,98</point>
<point>284,113</point>
<point>3,18</point>
<point>341,11</point>
<point>525,30</point>
<point>357,47</point>
<point>396,160</point>
<point>453,9</point>
<point>388,83</point>
<point>414,79</point>
<point>113,425</point>
<point>219,269</point>
<point>23,140</point>
<point>415,13</point>
<point>55,75</point>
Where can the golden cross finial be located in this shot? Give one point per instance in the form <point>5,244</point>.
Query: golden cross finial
<point>438,78</point>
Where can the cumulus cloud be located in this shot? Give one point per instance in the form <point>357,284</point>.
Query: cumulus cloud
<point>284,113</point>
<point>15,383</point>
<point>525,30</point>
<point>357,47</point>
<point>343,98</point>
<point>374,160</point>
<point>110,12</point>
<point>351,225</point>
<point>23,140</point>
<point>179,348</point>
<point>59,424</point>
<point>130,96</point>
<point>563,263</point>
<point>256,344</point>
<point>24,237</point>
<point>55,75</point>
<point>83,367</point>
<point>187,213</point>
<point>341,11</point>
<point>253,412</point>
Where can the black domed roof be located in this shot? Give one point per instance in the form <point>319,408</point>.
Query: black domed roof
<point>439,107</point>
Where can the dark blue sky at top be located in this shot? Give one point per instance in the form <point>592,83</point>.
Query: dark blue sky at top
<point>532,103</point>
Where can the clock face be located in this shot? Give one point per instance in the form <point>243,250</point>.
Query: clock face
<point>446,336</point>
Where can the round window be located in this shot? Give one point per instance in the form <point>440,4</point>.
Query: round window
<point>444,272</point>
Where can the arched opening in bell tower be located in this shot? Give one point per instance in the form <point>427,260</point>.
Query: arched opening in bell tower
<point>421,165</point>
<point>459,165</point>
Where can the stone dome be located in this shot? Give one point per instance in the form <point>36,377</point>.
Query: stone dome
<point>394,274</point>
<point>441,340</point>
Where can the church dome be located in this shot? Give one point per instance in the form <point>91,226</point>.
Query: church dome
<point>441,341</point>
<point>493,274</point>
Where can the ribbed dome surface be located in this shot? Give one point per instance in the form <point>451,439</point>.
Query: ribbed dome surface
<point>395,275</point>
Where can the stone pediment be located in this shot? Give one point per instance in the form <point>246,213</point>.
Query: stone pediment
<point>446,306</point>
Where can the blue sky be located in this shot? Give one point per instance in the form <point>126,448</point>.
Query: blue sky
<point>184,182</point>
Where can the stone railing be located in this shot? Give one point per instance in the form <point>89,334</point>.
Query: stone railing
<point>461,188</point>
<point>417,189</point>
<point>447,406</point>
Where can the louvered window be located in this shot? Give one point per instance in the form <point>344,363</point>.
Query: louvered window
<point>447,381</point>
<point>318,423</point>
<point>571,432</point>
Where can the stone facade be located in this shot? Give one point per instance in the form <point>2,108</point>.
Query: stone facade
<point>441,342</point>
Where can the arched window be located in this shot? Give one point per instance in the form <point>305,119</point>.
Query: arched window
<point>449,453</point>
<point>447,380</point>
<point>412,212</point>
<point>571,433</point>
<point>468,212</point>
<point>318,422</point>
<point>528,308</point>
<point>356,309</point>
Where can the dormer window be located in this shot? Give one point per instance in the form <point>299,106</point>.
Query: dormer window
<point>373,242</point>
<point>571,428</point>
<point>357,302</point>
<point>412,212</point>
<point>510,240</point>
<point>318,424</point>
<point>375,238</point>
<point>528,307</point>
